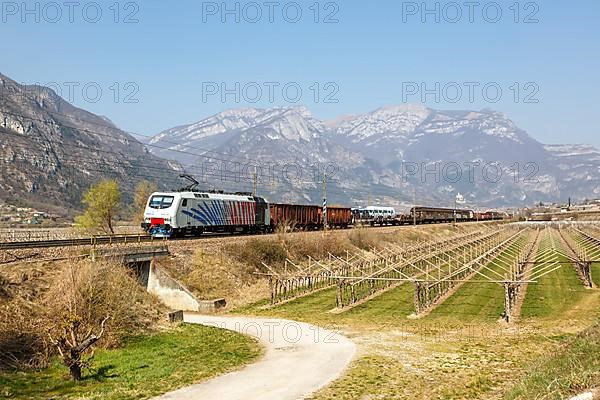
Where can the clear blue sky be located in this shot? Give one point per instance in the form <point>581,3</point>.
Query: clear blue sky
<point>370,53</point>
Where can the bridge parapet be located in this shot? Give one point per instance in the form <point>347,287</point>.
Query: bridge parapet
<point>130,255</point>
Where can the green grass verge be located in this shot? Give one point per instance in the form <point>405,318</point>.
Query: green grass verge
<point>554,294</point>
<point>574,369</point>
<point>480,301</point>
<point>142,368</point>
<point>596,274</point>
<point>391,307</point>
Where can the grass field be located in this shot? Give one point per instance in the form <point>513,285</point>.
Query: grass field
<point>143,368</point>
<point>479,301</point>
<point>574,369</point>
<point>460,350</point>
<point>555,293</point>
<point>390,308</point>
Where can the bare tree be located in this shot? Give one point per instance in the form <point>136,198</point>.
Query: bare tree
<point>72,345</point>
<point>89,303</point>
<point>142,193</point>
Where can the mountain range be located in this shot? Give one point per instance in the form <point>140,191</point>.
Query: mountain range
<point>51,152</point>
<point>385,156</point>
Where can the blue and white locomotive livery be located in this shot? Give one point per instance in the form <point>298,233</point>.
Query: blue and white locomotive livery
<point>170,214</point>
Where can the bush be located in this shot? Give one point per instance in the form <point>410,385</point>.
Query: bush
<point>91,304</point>
<point>318,246</point>
<point>36,309</point>
<point>22,344</point>
<point>257,251</point>
<point>94,291</point>
<point>363,238</point>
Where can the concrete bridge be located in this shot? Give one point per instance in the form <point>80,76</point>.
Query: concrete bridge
<point>130,255</point>
<point>144,261</point>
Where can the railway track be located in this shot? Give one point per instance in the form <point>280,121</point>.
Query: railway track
<point>120,239</point>
<point>91,241</point>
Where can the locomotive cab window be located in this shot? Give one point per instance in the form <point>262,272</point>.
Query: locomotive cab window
<point>161,202</point>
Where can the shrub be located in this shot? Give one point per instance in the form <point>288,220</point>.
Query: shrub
<point>90,302</point>
<point>257,251</point>
<point>22,343</point>
<point>81,294</point>
<point>363,238</point>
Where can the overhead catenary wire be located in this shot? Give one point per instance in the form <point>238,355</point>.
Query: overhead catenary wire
<point>149,166</point>
<point>383,192</point>
<point>225,176</point>
<point>230,158</point>
<point>204,156</point>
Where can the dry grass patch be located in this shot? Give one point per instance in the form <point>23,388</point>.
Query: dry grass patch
<point>36,297</point>
<point>363,238</point>
<point>216,274</point>
<point>318,246</point>
<point>255,252</point>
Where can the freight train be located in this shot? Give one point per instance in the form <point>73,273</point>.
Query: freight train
<point>172,214</point>
<point>189,212</point>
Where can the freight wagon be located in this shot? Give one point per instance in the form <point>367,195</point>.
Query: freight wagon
<point>308,217</point>
<point>430,215</point>
<point>488,216</point>
<point>374,215</point>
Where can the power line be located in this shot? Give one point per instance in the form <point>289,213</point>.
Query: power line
<point>224,176</point>
<point>94,150</point>
<point>291,181</point>
<point>120,131</point>
<point>160,147</point>
<point>112,167</point>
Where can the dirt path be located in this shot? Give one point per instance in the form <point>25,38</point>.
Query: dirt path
<point>299,359</point>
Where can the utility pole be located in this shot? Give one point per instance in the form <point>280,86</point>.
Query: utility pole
<point>325,200</point>
<point>454,224</point>
<point>415,207</point>
<point>254,182</point>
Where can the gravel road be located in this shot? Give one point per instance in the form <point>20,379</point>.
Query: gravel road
<point>299,359</point>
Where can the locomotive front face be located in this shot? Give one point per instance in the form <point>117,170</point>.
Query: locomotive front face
<point>160,213</point>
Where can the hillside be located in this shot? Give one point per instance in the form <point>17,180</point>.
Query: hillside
<point>51,151</point>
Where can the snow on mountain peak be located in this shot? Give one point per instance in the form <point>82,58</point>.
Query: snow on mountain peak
<point>486,122</point>
<point>375,144</point>
<point>289,123</point>
<point>399,120</point>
